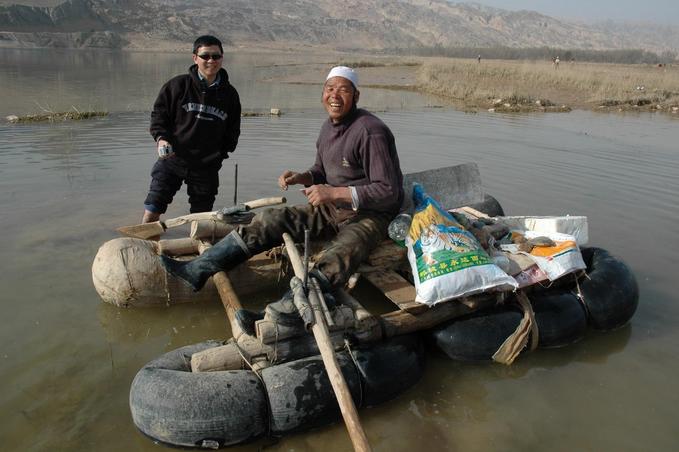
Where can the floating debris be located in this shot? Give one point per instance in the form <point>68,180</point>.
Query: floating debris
<point>272,112</point>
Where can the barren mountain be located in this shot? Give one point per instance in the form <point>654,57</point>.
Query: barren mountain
<point>350,24</point>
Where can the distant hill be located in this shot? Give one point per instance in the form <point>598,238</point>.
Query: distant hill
<point>350,24</point>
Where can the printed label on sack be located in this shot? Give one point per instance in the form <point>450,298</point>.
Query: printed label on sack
<point>442,246</point>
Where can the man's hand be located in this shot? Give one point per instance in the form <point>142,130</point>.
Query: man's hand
<point>292,178</point>
<point>162,155</point>
<point>325,194</point>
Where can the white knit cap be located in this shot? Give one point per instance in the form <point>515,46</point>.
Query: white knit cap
<point>346,72</point>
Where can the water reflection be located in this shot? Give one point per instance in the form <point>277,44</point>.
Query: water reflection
<point>127,81</point>
<point>68,359</point>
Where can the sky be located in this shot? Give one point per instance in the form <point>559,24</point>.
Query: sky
<point>658,11</point>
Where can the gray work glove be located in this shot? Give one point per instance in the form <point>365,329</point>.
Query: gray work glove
<point>301,302</point>
<point>238,214</point>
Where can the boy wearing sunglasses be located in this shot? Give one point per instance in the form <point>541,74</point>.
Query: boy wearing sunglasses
<point>196,123</point>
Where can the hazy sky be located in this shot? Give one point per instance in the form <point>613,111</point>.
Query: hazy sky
<point>661,11</point>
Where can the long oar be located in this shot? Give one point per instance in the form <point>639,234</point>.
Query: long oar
<point>320,330</point>
<point>153,229</point>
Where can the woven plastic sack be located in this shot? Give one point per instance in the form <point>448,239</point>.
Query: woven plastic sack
<point>446,260</point>
<point>558,260</point>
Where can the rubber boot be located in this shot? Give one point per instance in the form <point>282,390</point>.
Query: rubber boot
<point>222,256</point>
<point>323,280</point>
<point>246,320</point>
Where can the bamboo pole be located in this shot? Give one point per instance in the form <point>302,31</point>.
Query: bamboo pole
<point>320,330</point>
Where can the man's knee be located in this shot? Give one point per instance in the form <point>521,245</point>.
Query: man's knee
<point>202,194</point>
<point>165,182</point>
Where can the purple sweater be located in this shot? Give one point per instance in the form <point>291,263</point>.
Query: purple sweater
<point>360,152</point>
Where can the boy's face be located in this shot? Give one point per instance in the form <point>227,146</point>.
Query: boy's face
<point>208,67</point>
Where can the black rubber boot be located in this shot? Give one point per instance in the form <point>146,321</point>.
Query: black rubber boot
<point>246,320</point>
<point>222,256</point>
<point>323,280</point>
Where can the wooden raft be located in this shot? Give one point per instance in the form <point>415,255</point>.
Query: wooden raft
<point>272,345</point>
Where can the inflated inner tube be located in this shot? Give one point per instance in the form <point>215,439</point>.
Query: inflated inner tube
<point>490,206</point>
<point>478,336</point>
<point>560,317</point>
<point>609,294</point>
<point>172,405</point>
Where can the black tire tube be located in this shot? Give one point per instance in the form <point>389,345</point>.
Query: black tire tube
<point>172,405</point>
<point>301,397</point>
<point>490,206</point>
<point>300,394</point>
<point>478,336</point>
<point>560,317</point>
<point>391,368</point>
<point>611,292</point>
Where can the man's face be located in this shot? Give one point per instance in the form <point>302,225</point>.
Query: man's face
<point>211,66</point>
<point>339,96</point>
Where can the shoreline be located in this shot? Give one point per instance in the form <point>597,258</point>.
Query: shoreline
<point>507,85</point>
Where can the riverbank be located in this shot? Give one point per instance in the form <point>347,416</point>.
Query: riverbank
<point>516,86</point>
<point>545,86</point>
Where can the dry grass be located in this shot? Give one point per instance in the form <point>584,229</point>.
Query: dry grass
<point>376,63</point>
<point>57,116</point>
<point>577,85</point>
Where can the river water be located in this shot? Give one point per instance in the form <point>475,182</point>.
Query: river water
<point>68,359</point>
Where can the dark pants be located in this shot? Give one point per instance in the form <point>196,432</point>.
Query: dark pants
<point>166,179</point>
<point>352,235</point>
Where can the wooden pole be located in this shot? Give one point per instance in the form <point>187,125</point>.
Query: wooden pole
<point>320,330</point>
<point>228,295</point>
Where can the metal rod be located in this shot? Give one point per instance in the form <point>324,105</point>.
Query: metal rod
<point>306,259</point>
<point>235,184</point>
<point>323,305</point>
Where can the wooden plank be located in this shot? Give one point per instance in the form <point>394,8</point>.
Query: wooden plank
<point>397,289</point>
<point>402,322</point>
<point>388,255</point>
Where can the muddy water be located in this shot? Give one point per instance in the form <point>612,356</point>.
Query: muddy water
<point>68,359</point>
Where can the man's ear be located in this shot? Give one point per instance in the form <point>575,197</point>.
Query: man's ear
<point>357,94</point>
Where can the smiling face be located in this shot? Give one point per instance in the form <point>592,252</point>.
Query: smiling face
<point>339,97</point>
<point>209,68</point>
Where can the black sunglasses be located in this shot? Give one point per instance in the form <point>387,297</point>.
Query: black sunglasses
<point>207,56</point>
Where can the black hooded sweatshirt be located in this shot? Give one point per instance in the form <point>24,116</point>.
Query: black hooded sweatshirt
<point>202,124</point>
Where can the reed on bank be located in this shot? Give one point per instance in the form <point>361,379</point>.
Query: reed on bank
<point>490,83</point>
<point>57,116</point>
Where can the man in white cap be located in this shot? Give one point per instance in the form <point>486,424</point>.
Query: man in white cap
<point>354,189</point>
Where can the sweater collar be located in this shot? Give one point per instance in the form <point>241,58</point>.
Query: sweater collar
<point>347,120</point>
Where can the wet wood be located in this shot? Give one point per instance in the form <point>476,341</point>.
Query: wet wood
<point>227,295</point>
<point>212,230</point>
<point>397,289</point>
<point>177,247</point>
<point>339,385</point>
<point>404,322</point>
<point>232,355</point>
<point>268,331</point>
<point>388,255</point>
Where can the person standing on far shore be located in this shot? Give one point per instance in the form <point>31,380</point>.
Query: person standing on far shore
<point>196,124</point>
